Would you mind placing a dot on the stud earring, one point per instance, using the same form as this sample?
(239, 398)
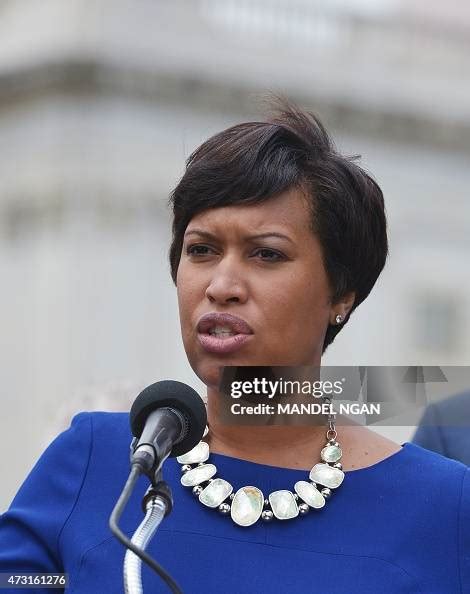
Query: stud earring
(339, 319)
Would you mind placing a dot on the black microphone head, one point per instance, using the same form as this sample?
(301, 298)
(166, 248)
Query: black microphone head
(171, 394)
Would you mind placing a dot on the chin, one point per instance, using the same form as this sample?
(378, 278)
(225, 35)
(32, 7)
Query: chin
(209, 377)
(206, 371)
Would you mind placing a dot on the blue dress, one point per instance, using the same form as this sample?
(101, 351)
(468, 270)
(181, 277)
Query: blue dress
(400, 526)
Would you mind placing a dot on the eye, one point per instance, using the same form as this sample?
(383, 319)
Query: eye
(270, 255)
(266, 254)
(191, 250)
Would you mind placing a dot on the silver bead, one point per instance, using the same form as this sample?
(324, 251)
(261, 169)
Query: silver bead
(209, 480)
(296, 497)
(224, 508)
(326, 492)
(267, 515)
(201, 463)
(266, 503)
(314, 484)
(338, 465)
(232, 495)
(303, 509)
(197, 490)
(186, 467)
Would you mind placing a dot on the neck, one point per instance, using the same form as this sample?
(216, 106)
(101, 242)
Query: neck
(277, 445)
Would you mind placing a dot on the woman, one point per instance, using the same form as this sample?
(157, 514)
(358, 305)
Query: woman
(277, 238)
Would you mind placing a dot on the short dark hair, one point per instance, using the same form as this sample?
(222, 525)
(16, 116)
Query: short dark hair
(254, 161)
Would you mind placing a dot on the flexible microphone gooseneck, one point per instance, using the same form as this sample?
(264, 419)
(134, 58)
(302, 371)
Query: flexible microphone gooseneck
(167, 418)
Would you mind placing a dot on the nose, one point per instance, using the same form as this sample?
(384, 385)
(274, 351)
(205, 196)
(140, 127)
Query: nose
(226, 286)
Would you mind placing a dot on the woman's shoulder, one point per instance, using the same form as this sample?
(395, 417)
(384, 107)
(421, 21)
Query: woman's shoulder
(100, 425)
(76, 448)
(101, 419)
(422, 461)
(372, 451)
(442, 480)
(418, 471)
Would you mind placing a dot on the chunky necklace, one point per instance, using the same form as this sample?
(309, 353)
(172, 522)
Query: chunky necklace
(248, 504)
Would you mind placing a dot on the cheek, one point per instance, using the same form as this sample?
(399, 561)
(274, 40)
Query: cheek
(296, 311)
(189, 294)
(185, 298)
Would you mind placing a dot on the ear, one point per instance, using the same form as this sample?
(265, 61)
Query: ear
(342, 308)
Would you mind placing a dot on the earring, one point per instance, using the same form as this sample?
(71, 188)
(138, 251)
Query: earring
(339, 319)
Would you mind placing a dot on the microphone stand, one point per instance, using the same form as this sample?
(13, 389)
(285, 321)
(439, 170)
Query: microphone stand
(156, 504)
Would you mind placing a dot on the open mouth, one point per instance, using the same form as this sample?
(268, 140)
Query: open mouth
(222, 341)
(223, 333)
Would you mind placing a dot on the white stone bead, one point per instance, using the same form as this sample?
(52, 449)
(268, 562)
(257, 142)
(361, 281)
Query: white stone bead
(310, 494)
(199, 453)
(326, 475)
(283, 505)
(247, 506)
(215, 493)
(331, 453)
(198, 475)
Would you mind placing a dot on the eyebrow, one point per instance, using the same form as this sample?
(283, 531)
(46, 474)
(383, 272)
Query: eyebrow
(257, 236)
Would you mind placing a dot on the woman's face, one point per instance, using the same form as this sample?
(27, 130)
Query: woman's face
(277, 285)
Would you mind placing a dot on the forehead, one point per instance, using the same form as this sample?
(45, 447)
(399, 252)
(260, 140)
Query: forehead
(288, 211)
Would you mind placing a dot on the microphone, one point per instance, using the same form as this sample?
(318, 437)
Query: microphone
(167, 418)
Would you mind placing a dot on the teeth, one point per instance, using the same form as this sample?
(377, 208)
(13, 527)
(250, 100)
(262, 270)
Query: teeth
(221, 331)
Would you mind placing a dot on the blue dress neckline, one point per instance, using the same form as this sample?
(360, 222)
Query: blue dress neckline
(266, 468)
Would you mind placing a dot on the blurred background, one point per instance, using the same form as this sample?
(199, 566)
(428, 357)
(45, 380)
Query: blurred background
(101, 102)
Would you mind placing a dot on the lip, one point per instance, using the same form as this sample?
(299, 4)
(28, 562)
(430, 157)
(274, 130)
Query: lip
(236, 324)
(214, 344)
